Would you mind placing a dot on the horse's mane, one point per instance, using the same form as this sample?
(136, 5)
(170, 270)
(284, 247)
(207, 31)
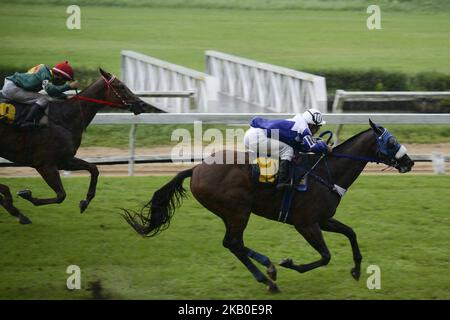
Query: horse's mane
(350, 140)
(89, 86)
(57, 102)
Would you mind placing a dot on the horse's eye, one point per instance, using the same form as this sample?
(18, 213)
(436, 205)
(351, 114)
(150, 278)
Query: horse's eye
(392, 142)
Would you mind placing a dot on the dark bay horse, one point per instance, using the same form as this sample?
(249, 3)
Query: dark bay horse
(53, 148)
(228, 191)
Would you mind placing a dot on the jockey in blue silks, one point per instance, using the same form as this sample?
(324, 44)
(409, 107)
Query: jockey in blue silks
(282, 137)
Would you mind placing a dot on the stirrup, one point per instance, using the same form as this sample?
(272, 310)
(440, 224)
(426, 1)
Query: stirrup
(28, 125)
(283, 185)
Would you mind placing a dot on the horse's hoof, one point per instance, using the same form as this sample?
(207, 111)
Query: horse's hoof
(272, 272)
(356, 273)
(24, 220)
(83, 205)
(273, 288)
(287, 263)
(25, 194)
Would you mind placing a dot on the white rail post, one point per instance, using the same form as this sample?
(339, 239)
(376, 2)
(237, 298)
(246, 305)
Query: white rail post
(438, 160)
(320, 89)
(337, 107)
(131, 149)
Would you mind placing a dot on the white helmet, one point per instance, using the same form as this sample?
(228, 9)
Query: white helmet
(313, 116)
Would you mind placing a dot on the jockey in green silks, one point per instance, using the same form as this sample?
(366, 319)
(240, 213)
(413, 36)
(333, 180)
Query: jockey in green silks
(25, 87)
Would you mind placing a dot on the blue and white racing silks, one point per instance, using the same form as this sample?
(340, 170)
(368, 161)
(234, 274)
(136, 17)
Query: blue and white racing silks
(294, 132)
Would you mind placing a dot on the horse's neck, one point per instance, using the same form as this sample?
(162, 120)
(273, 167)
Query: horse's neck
(75, 114)
(346, 171)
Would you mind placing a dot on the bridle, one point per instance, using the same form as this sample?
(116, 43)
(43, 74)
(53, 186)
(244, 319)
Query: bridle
(389, 152)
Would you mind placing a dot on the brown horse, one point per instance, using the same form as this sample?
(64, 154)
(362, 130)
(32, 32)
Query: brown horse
(53, 148)
(229, 192)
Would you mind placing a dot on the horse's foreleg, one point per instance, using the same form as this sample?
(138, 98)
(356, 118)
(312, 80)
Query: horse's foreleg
(76, 164)
(6, 201)
(265, 261)
(332, 225)
(313, 235)
(52, 178)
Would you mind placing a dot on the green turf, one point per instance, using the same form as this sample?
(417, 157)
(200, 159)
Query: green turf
(302, 39)
(402, 224)
(397, 5)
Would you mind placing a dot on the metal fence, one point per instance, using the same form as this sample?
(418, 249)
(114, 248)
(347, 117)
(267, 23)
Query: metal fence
(144, 73)
(277, 88)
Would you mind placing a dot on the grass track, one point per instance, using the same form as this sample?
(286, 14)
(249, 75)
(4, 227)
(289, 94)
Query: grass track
(402, 226)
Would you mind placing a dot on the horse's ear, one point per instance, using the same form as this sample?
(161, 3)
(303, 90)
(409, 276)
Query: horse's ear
(375, 128)
(104, 73)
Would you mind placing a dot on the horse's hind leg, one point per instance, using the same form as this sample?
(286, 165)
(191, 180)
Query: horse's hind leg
(76, 164)
(6, 201)
(52, 178)
(233, 241)
(313, 235)
(332, 225)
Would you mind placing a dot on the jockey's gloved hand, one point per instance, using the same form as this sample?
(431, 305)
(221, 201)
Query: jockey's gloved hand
(74, 85)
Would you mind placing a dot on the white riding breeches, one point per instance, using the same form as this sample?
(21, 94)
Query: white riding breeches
(13, 92)
(255, 140)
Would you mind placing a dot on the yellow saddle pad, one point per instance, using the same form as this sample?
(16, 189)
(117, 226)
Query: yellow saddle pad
(7, 112)
(268, 169)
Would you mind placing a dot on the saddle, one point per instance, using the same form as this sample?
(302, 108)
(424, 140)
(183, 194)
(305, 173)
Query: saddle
(14, 113)
(265, 171)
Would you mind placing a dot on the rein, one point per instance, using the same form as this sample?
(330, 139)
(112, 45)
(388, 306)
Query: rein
(333, 187)
(328, 182)
(79, 98)
(104, 102)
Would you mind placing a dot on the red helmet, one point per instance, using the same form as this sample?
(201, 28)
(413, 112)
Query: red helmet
(64, 69)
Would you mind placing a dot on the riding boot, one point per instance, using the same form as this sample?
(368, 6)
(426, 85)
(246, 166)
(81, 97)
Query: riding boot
(34, 115)
(284, 178)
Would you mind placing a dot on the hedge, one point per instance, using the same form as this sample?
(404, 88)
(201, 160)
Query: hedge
(365, 80)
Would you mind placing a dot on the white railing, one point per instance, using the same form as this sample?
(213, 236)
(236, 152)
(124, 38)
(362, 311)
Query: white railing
(144, 73)
(244, 118)
(341, 96)
(170, 158)
(280, 89)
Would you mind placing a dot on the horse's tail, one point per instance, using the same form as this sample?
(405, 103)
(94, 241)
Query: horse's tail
(160, 208)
